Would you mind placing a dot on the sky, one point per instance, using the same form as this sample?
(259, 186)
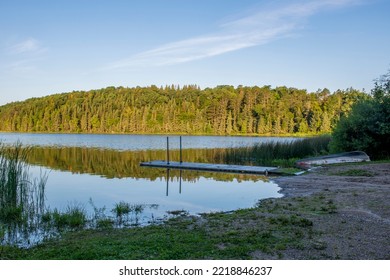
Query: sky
(49, 47)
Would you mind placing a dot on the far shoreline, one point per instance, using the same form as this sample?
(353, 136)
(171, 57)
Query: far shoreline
(297, 135)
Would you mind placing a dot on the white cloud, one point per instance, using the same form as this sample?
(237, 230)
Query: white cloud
(260, 27)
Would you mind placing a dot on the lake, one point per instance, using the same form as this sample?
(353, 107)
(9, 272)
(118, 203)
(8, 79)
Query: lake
(105, 169)
(133, 142)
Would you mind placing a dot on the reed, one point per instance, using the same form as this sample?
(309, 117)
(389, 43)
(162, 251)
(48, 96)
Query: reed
(122, 211)
(75, 217)
(21, 197)
(122, 208)
(277, 153)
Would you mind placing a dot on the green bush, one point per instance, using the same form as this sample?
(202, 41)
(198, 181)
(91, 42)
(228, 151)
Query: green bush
(367, 127)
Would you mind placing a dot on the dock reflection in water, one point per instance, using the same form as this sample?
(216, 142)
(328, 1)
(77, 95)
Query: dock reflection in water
(74, 169)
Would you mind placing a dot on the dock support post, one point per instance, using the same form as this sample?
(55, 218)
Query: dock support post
(167, 150)
(180, 182)
(181, 156)
(167, 189)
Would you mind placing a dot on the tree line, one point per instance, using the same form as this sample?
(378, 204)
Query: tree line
(222, 110)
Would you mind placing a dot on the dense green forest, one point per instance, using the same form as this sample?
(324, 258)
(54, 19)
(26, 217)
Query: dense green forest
(223, 110)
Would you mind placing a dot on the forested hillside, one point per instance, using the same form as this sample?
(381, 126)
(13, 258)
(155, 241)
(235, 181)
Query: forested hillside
(220, 110)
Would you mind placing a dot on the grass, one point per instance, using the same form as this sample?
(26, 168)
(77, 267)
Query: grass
(74, 217)
(278, 153)
(122, 209)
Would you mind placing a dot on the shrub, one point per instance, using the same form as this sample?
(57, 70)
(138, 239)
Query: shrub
(367, 127)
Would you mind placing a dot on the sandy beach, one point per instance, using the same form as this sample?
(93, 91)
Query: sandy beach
(358, 227)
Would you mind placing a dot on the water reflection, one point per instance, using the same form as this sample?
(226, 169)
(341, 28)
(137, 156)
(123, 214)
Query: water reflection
(168, 179)
(111, 178)
(168, 170)
(190, 190)
(125, 164)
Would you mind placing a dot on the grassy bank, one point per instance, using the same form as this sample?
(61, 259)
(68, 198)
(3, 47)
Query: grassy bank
(270, 228)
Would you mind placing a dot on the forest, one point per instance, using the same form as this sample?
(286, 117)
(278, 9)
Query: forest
(222, 110)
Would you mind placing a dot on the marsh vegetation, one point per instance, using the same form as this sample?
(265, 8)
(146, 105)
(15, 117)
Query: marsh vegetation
(277, 153)
(21, 196)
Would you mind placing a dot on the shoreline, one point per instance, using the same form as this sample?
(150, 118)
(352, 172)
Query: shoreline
(285, 135)
(358, 225)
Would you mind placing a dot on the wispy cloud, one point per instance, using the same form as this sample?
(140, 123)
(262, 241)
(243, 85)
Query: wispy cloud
(260, 27)
(28, 46)
(23, 57)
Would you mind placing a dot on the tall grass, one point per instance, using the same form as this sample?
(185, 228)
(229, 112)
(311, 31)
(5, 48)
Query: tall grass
(278, 153)
(21, 197)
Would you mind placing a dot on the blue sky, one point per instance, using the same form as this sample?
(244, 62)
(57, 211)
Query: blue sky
(49, 47)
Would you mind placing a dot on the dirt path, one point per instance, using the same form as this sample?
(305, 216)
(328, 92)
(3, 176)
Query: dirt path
(359, 228)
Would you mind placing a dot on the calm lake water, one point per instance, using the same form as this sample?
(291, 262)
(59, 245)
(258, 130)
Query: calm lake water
(105, 169)
(133, 142)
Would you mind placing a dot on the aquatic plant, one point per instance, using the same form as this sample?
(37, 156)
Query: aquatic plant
(21, 197)
(278, 153)
(123, 209)
(74, 217)
(105, 223)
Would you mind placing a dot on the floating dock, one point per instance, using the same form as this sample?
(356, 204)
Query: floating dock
(212, 167)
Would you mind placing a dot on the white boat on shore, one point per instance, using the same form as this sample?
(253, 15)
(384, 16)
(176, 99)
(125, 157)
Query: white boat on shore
(355, 156)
